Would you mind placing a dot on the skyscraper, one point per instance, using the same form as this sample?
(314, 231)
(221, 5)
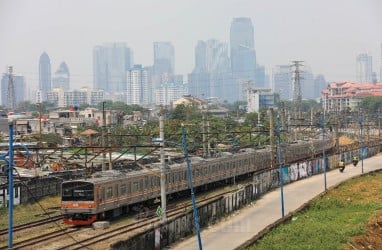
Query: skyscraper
(282, 81)
(163, 58)
(61, 77)
(110, 63)
(211, 75)
(364, 68)
(243, 55)
(45, 83)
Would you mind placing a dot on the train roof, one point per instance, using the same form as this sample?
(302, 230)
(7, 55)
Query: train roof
(154, 168)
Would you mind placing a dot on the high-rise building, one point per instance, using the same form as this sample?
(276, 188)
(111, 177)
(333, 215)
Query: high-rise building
(243, 55)
(19, 88)
(167, 93)
(61, 78)
(307, 84)
(163, 58)
(138, 86)
(45, 83)
(110, 63)
(85, 95)
(282, 81)
(211, 75)
(261, 78)
(319, 84)
(364, 68)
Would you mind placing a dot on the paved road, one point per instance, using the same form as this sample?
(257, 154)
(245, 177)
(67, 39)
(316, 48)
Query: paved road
(249, 221)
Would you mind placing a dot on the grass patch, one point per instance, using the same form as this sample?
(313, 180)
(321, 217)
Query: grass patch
(30, 212)
(331, 220)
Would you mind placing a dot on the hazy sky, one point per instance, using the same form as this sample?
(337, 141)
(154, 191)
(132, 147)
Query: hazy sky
(326, 34)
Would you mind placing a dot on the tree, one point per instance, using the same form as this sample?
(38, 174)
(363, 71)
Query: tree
(52, 139)
(371, 104)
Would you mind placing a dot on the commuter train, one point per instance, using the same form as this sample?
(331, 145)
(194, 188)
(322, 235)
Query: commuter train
(111, 193)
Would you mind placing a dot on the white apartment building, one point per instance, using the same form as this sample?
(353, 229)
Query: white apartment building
(138, 86)
(167, 93)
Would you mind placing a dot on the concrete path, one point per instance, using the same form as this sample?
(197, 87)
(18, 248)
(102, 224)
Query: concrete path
(249, 221)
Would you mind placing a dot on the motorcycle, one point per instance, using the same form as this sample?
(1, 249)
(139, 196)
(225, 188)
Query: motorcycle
(341, 166)
(355, 162)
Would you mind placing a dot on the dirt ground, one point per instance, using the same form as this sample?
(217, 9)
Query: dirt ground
(372, 239)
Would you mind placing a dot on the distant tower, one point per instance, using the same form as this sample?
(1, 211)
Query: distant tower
(11, 102)
(110, 63)
(45, 83)
(282, 81)
(163, 58)
(297, 96)
(61, 77)
(243, 55)
(364, 70)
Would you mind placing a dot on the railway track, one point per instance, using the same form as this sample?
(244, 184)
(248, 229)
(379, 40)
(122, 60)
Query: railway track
(26, 244)
(148, 221)
(29, 225)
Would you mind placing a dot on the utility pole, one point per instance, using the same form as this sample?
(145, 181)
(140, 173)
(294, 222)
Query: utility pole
(162, 166)
(360, 120)
(297, 96)
(39, 123)
(103, 137)
(109, 145)
(322, 123)
(280, 156)
(271, 135)
(204, 137)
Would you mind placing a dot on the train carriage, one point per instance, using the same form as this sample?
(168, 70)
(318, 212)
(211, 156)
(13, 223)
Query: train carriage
(111, 193)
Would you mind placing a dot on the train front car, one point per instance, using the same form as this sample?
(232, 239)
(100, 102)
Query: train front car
(78, 205)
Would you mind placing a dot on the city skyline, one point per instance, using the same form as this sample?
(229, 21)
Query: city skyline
(328, 40)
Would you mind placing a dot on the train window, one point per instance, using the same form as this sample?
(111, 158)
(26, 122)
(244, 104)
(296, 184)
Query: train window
(77, 191)
(102, 194)
(128, 187)
(135, 187)
(141, 185)
(109, 192)
(157, 181)
(123, 189)
(116, 190)
(146, 182)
